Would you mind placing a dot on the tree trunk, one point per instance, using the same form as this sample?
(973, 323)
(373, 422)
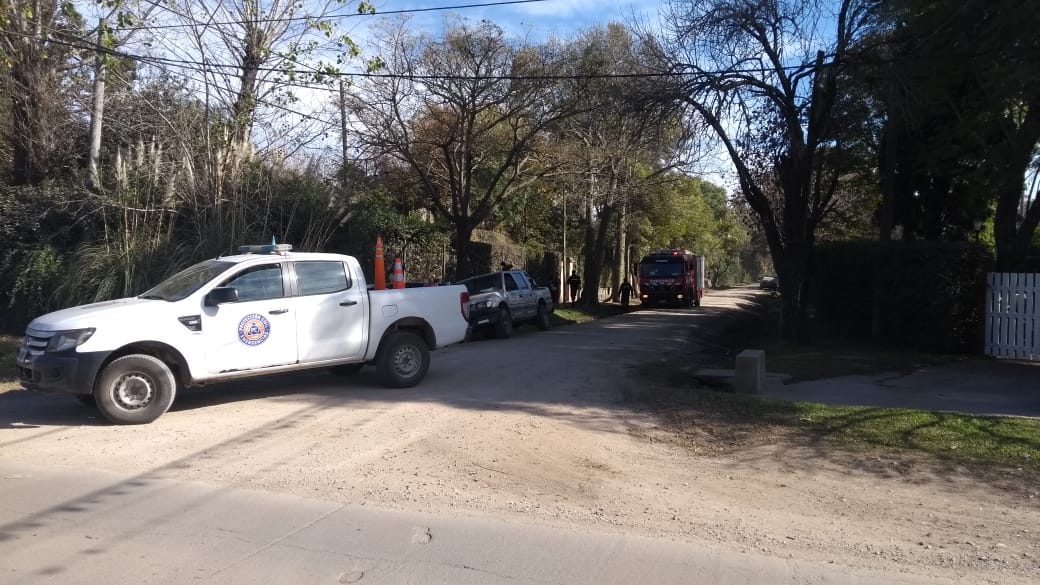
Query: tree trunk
(97, 112)
(595, 257)
(621, 255)
(463, 251)
(31, 136)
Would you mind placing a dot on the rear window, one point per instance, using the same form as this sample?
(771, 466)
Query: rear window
(321, 277)
(486, 283)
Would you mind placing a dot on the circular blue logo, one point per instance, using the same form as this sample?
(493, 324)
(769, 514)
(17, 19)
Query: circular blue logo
(253, 329)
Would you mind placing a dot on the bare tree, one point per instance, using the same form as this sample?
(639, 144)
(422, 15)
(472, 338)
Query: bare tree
(764, 76)
(34, 56)
(463, 113)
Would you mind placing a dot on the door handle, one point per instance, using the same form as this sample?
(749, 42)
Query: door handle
(278, 311)
(348, 303)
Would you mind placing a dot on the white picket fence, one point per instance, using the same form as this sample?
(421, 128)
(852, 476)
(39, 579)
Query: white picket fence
(1013, 315)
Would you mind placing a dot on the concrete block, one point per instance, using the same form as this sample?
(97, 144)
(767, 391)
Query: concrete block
(751, 371)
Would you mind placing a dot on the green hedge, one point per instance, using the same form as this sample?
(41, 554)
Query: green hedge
(928, 295)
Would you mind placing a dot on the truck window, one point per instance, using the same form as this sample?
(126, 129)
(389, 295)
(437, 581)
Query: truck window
(187, 281)
(656, 269)
(523, 281)
(510, 282)
(321, 277)
(257, 283)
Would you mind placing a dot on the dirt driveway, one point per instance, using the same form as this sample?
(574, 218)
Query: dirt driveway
(534, 429)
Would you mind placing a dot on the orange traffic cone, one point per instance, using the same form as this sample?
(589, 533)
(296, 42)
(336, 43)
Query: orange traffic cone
(398, 276)
(380, 282)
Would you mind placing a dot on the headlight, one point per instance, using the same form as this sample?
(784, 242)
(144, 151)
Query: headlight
(65, 340)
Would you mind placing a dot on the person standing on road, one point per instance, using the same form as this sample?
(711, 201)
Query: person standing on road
(574, 282)
(626, 292)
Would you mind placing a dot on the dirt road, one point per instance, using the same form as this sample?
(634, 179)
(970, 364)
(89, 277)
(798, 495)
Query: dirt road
(534, 429)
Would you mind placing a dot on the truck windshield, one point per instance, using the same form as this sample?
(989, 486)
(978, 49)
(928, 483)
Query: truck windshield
(486, 283)
(187, 281)
(662, 270)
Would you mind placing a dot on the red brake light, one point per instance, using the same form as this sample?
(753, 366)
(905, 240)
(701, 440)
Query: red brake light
(464, 305)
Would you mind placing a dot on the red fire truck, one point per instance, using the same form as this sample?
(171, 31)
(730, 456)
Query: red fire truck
(671, 276)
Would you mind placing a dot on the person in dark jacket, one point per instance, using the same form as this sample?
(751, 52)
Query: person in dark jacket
(626, 292)
(574, 282)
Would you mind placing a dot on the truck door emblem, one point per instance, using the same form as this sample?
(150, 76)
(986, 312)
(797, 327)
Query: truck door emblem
(253, 329)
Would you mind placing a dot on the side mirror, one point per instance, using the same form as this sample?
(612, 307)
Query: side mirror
(221, 295)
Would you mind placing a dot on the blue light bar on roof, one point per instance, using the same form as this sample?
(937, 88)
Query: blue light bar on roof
(266, 249)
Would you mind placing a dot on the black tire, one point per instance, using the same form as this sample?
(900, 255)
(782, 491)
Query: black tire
(504, 325)
(403, 360)
(346, 369)
(135, 389)
(541, 320)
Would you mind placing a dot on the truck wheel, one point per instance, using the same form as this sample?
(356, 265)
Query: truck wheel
(504, 325)
(542, 319)
(135, 389)
(403, 360)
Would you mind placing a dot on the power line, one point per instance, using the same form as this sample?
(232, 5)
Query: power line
(208, 66)
(331, 16)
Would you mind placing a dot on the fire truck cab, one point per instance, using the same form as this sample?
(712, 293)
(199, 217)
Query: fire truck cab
(671, 277)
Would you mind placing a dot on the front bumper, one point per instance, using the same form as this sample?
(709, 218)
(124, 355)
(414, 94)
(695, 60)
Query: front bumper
(483, 317)
(664, 297)
(69, 371)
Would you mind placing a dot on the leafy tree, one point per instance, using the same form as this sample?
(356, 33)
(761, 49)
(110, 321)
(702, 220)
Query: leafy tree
(765, 77)
(613, 145)
(464, 113)
(961, 101)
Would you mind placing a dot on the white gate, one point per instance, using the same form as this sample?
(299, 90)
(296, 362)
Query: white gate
(1013, 315)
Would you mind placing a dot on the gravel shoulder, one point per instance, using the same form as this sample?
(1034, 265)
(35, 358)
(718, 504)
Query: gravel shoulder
(556, 444)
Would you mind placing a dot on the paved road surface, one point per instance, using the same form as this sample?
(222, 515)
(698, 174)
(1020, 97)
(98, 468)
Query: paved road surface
(69, 527)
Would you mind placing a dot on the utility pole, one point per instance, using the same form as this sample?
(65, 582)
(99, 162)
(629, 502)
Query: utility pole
(343, 121)
(563, 268)
(97, 109)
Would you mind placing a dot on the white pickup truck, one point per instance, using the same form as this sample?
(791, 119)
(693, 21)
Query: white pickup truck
(268, 310)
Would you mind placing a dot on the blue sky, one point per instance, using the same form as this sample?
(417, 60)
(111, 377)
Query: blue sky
(542, 18)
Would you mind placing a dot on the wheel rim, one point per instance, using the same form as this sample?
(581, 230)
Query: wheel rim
(507, 322)
(407, 361)
(133, 391)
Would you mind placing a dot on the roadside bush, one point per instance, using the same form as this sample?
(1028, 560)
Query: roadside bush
(922, 295)
(33, 291)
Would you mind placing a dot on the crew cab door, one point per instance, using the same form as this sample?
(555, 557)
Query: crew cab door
(259, 330)
(518, 291)
(332, 316)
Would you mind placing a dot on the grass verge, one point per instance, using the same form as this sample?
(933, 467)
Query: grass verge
(718, 421)
(714, 421)
(566, 314)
